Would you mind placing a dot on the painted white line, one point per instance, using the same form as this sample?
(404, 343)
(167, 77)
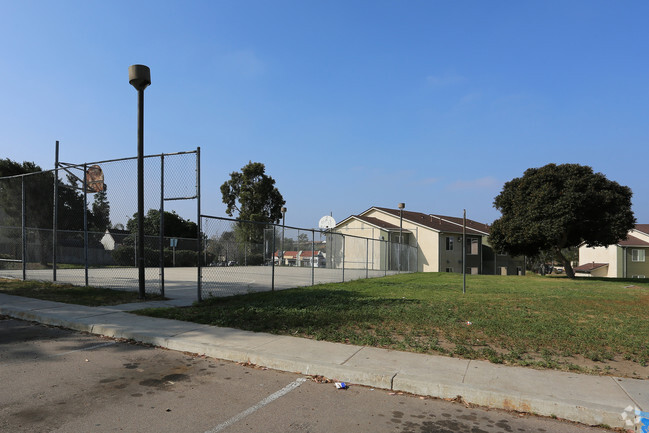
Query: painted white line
(288, 388)
(82, 350)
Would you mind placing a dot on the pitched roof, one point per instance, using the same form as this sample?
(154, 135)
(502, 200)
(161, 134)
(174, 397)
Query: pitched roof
(377, 222)
(588, 267)
(644, 228)
(632, 241)
(440, 223)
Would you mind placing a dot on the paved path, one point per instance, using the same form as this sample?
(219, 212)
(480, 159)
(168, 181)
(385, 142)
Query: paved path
(587, 399)
(217, 281)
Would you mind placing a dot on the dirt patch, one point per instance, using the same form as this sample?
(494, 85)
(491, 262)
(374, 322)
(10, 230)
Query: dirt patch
(618, 366)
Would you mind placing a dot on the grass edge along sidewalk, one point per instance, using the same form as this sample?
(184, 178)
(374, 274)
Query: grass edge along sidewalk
(70, 294)
(586, 325)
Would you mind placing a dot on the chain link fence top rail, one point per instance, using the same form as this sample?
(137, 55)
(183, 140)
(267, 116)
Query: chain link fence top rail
(90, 238)
(251, 257)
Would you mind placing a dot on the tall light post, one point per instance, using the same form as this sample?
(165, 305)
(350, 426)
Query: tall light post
(139, 76)
(283, 225)
(401, 207)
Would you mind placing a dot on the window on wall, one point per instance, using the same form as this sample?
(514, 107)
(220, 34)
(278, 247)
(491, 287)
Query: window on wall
(637, 255)
(472, 270)
(449, 269)
(637, 276)
(472, 246)
(449, 243)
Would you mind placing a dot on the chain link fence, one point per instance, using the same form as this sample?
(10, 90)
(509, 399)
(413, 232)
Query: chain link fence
(251, 257)
(56, 225)
(61, 225)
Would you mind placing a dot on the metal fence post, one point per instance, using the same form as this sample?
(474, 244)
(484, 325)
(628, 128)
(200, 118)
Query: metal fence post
(55, 211)
(417, 248)
(162, 224)
(367, 258)
(343, 258)
(199, 286)
(24, 228)
(464, 253)
(313, 257)
(387, 256)
(272, 257)
(85, 223)
(408, 251)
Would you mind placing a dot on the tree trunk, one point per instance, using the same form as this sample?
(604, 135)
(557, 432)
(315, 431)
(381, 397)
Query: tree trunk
(566, 264)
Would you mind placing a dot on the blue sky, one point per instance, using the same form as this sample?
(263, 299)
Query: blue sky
(349, 104)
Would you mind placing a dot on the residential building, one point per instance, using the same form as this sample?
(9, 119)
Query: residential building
(305, 258)
(628, 258)
(422, 242)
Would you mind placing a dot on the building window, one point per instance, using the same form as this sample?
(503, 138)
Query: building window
(637, 255)
(472, 271)
(503, 270)
(472, 246)
(449, 269)
(637, 276)
(449, 243)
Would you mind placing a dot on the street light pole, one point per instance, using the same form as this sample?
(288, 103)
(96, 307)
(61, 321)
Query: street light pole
(401, 207)
(139, 76)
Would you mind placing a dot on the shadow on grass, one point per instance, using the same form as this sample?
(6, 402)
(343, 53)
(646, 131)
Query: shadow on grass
(299, 310)
(615, 280)
(71, 294)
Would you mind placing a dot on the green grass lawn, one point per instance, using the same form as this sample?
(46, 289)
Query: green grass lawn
(531, 320)
(69, 294)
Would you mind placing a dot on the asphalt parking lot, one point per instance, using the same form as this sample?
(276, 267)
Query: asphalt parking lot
(56, 380)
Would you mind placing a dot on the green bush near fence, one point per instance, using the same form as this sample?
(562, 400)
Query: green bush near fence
(124, 255)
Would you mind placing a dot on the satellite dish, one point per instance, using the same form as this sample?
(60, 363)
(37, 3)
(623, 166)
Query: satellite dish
(327, 222)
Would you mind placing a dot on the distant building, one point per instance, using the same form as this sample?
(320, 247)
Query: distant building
(300, 258)
(113, 238)
(431, 243)
(625, 259)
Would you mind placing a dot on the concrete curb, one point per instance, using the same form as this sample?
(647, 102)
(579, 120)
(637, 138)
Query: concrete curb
(591, 400)
(592, 414)
(578, 411)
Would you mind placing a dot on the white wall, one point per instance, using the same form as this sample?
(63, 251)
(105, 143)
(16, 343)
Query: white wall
(607, 254)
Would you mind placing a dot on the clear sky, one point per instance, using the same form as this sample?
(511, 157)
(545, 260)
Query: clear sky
(349, 104)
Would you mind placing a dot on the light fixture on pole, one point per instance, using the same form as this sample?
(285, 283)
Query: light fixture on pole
(401, 207)
(139, 76)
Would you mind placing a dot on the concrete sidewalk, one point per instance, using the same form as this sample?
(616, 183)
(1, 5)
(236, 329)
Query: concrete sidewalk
(587, 399)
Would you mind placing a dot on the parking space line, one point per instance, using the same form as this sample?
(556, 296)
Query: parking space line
(97, 346)
(288, 388)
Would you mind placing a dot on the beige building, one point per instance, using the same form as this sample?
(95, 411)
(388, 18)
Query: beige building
(430, 243)
(625, 259)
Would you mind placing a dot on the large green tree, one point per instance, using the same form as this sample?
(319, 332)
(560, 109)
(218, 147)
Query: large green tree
(174, 225)
(39, 203)
(253, 195)
(560, 206)
(100, 212)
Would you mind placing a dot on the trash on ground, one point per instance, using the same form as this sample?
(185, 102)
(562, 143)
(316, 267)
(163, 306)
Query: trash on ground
(468, 323)
(341, 385)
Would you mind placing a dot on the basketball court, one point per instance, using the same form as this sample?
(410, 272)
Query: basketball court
(181, 283)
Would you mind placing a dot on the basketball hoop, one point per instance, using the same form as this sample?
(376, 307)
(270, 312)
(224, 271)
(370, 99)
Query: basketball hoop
(94, 179)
